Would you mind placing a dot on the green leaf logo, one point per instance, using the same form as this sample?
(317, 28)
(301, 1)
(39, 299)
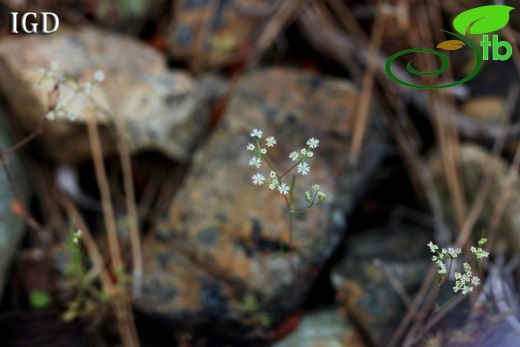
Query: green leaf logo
(483, 19)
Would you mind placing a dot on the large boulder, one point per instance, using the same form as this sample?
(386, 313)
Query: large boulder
(161, 109)
(222, 238)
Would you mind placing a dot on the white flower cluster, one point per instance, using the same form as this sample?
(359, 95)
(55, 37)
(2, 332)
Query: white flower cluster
(88, 87)
(316, 188)
(51, 73)
(59, 112)
(57, 77)
(464, 282)
(479, 252)
(76, 237)
(274, 181)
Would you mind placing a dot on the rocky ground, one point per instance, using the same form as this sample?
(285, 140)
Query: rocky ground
(131, 123)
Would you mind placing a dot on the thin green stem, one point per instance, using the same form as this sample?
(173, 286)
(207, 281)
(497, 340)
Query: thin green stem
(292, 167)
(290, 224)
(291, 193)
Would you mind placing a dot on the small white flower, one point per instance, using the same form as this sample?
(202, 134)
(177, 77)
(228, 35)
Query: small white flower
(294, 156)
(475, 281)
(50, 115)
(309, 154)
(273, 184)
(272, 174)
(87, 88)
(467, 290)
(255, 161)
(99, 76)
(312, 142)
(77, 236)
(315, 187)
(283, 189)
(54, 65)
(303, 168)
(304, 151)
(433, 247)
(270, 141)
(482, 254)
(263, 151)
(479, 252)
(321, 196)
(257, 133)
(72, 115)
(258, 179)
(250, 147)
(453, 252)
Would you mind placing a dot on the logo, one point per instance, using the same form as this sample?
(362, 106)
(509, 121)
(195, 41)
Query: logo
(44, 25)
(477, 21)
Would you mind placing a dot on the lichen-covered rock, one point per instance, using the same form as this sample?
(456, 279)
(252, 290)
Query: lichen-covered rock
(12, 227)
(161, 109)
(323, 328)
(222, 236)
(363, 289)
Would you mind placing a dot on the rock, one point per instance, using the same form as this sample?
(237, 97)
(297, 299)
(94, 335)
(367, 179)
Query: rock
(474, 162)
(323, 328)
(219, 241)
(129, 16)
(162, 110)
(364, 290)
(12, 227)
(214, 36)
(486, 108)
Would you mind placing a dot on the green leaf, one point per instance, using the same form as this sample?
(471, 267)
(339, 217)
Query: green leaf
(39, 299)
(451, 45)
(483, 19)
(264, 319)
(250, 304)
